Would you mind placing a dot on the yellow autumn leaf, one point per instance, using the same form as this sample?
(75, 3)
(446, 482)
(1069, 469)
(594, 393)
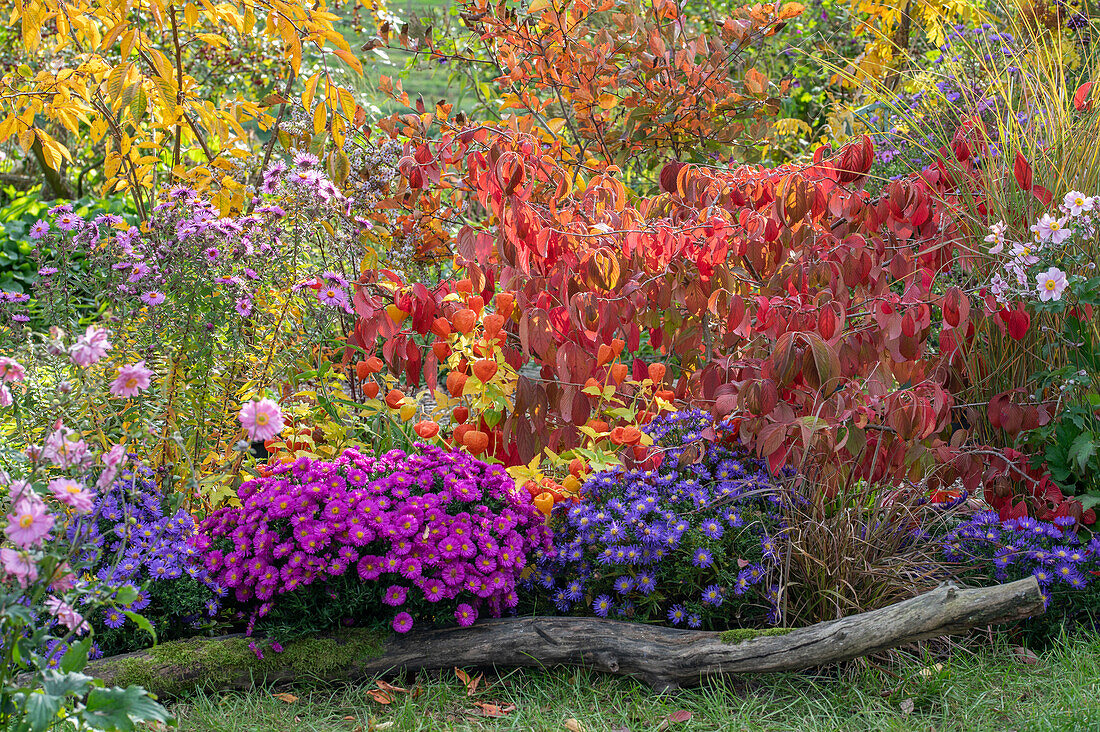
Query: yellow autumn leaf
(608, 101)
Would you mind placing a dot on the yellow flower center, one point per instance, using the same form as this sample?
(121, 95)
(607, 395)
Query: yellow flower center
(131, 383)
(261, 419)
(1079, 201)
(330, 293)
(1050, 285)
(73, 489)
(1054, 226)
(25, 521)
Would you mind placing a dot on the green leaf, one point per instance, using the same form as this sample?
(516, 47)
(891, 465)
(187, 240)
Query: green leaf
(42, 710)
(1082, 450)
(61, 685)
(143, 623)
(76, 658)
(118, 709)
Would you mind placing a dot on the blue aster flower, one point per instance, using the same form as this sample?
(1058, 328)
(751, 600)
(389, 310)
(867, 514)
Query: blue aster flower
(601, 606)
(712, 595)
(676, 614)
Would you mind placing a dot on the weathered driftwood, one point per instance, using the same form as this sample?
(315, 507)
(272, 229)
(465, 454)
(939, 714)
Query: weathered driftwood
(663, 657)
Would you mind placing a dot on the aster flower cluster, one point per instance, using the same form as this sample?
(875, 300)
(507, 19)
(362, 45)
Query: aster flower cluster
(692, 542)
(131, 536)
(1052, 552)
(428, 537)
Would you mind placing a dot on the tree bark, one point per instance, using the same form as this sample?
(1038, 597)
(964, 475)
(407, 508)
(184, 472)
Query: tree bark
(665, 658)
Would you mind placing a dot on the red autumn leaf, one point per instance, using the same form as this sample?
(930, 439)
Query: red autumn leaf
(1081, 101)
(1022, 170)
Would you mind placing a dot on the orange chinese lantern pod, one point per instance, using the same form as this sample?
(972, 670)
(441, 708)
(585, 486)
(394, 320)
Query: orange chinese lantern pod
(459, 434)
(571, 486)
(464, 286)
(441, 327)
(485, 369)
(460, 415)
(605, 354)
(631, 435)
(597, 425)
(577, 468)
(640, 451)
(476, 442)
(617, 435)
(506, 303)
(375, 364)
(394, 397)
(493, 323)
(441, 350)
(617, 345)
(426, 430)
(619, 372)
(667, 394)
(456, 382)
(463, 366)
(656, 372)
(370, 389)
(464, 321)
(476, 303)
(591, 382)
(645, 417)
(544, 502)
(362, 370)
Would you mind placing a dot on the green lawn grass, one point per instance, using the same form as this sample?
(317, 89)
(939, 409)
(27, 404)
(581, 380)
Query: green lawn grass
(976, 689)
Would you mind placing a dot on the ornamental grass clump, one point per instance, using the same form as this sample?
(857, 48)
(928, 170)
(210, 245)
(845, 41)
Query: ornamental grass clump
(429, 538)
(693, 542)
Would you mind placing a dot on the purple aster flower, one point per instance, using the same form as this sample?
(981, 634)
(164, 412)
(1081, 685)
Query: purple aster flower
(676, 614)
(39, 230)
(152, 298)
(712, 595)
(702, 558)
(601, 606)
(402, 622)
(465, 615)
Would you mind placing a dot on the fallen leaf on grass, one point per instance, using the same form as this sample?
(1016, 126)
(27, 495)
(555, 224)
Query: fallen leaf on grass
(929, 671)
(284, 697)
(494, 710)
(1025, 655)
(680, 715)
(391, 688)
(573, 725)
(471, 683)
(380, 696)
(907, 706)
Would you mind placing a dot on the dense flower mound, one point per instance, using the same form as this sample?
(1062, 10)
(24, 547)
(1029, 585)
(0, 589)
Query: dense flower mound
(1053, 553)
(430, 537)
(134, 537)
(692, 541)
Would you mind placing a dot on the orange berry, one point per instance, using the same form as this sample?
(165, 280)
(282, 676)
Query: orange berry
(370, 389)
(441, 350)
(597, 425)
(441, 327)
(426, 429)
(394, 397)
(456, 382)
(493, 323)
(464, 320)
(459, 433)
(485, 369)
(656, 372)
(476, 442)
(505, 302)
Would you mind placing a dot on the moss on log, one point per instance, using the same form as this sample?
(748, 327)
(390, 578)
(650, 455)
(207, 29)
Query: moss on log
(662, 657)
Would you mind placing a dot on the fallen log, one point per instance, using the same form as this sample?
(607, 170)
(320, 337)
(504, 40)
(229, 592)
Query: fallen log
(665, 658)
